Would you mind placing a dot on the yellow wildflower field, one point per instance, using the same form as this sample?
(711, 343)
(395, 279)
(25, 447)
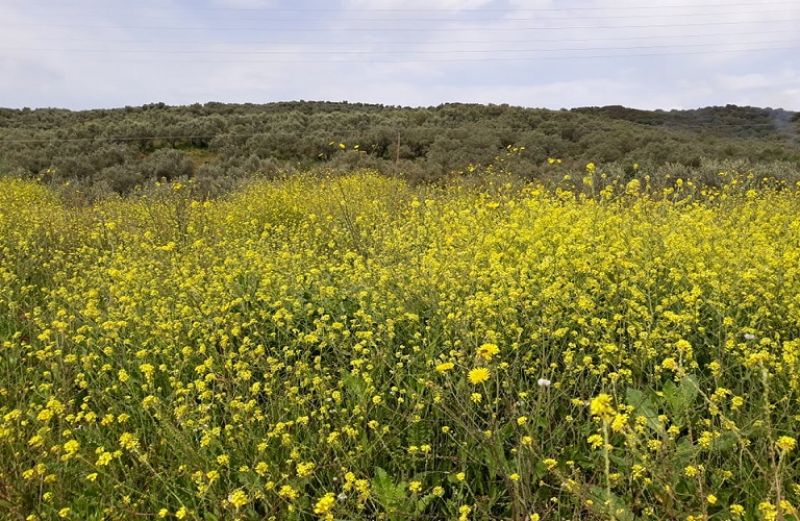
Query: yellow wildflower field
(358, 348)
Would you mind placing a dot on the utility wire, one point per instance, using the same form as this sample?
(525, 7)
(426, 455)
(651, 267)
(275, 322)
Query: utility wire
(476, 9)
(368, 52)
(368, 61)
(443, 42)
(414, 29)
(548, 18)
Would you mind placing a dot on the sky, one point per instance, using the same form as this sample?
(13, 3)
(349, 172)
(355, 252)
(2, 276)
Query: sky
(649, 54)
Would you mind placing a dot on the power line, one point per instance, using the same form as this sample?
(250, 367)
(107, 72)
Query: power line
(481, 9)
(446, 42)
(581, 18)
(368, 52)
(415, 29)
(484, 59)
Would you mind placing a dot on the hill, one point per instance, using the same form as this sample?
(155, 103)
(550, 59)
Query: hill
(115, 150)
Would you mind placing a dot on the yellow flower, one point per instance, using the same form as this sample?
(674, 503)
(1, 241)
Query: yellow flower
(444, 367)
(128, 441)
(595, 440)
(104, 458)
(601, 406)
(72, 446)
(786, 443)
(147, 370)
(767, 510)
(238, 498)
(288, 492)
(619, 423)
(690, 471)
(325, 503)
(550, 463)
(633, 186)
(712, 499)
(305, 469)
(478, 375)
(415, 486)
(487, 351)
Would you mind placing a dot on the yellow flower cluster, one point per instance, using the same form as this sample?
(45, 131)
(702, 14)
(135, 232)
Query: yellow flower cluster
(358, 348)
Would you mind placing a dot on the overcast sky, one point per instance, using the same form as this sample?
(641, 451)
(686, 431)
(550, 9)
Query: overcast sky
(541, 53)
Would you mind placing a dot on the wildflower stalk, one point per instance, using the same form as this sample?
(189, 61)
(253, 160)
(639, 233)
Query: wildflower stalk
(607, 470)
(776, 463)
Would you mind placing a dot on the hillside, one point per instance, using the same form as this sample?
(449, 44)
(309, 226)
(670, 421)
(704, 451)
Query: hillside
(115, 150)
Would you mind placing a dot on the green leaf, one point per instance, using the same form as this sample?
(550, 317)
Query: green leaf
(643, 406)
(381, 482)
(685, 452)
(681, 397)
(422, 503)
(390, 496)
(726, 441)
(605, 504)
(688, 389)
(355, 386)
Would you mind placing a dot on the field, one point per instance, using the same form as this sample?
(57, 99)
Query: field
(358, 348)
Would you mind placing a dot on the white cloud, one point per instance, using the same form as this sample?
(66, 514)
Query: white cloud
(752, 81)
(455, 5)
(410, 59)
(244, 4)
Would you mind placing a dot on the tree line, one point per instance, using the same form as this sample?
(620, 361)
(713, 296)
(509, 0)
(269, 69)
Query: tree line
(216, 144)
